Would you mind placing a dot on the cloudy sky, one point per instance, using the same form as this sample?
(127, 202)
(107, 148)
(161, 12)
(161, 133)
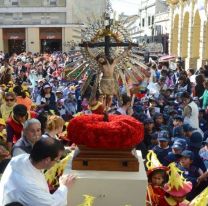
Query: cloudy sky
(129, 7)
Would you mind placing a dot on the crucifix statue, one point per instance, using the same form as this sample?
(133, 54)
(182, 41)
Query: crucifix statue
(106, 63)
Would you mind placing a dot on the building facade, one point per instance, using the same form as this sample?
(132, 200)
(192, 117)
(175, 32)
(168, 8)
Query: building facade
(154, 22)
(43, 25)
(189, 31)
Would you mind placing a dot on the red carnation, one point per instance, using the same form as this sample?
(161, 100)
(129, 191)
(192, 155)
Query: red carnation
(119, 132)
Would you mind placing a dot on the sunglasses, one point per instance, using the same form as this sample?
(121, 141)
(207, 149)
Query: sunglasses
(9, 100)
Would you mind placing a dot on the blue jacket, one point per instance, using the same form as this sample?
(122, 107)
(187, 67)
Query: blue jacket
(161, 153)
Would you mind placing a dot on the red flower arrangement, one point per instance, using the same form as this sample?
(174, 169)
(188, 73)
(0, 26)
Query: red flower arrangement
(119, 132)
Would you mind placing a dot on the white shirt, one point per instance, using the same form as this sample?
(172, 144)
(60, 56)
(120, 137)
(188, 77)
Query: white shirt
(193, 119)
(122, 111)
(22, 182)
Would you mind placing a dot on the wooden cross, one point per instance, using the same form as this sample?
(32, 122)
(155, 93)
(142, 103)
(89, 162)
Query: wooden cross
(107, 43)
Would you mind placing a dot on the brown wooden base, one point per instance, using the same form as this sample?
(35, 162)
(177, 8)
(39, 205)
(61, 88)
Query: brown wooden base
(105, 160)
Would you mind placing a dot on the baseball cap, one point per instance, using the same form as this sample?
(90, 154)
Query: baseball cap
(187, 153)
(46, 86)
(59, 91)
(154, 136)
(157, 115)
(181, 141)
(178, 117)
(163, 136)
(177, 145)
(148, 121)
(177, 131)
(188, 128)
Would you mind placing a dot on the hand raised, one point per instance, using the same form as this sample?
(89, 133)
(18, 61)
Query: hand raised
(67, 180)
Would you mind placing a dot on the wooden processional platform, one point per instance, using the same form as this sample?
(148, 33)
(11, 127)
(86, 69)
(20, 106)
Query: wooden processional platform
(105, 160)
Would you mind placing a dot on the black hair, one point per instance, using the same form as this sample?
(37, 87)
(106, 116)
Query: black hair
(42, 93)
(43, 117)
(125, 99)
(186, 95)
(46, 147)
(200, 79)
(20, 110)
(158, 171)
(14, 204)
(192, 71)
(19, 91)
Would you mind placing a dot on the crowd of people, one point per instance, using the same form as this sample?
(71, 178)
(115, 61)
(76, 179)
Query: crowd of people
(37, 101)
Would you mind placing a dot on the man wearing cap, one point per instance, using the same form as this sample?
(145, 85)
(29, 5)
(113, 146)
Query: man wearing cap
(59, 93)
(194, 137)
(194, 140)
(190, 171)
(203, 124)
(162, 149)
(174, 155)
(203, 153)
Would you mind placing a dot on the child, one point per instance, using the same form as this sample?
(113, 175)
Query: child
(174, 156)
(203, 153)
(202, 120)
(177, 121)
(61, 109)
(156, 178)
(190, 172)
(159, 121)
(162, 149)
(176, 189)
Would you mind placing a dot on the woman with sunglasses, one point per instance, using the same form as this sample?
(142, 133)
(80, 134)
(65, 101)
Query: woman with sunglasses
(7, 107)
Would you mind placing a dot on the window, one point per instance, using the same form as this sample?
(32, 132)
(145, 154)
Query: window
(149, 20)
(53, 2)
(143, 22)
(153, 19)
(15, 2)
(17, 16)
(48, 19)
(42, 21)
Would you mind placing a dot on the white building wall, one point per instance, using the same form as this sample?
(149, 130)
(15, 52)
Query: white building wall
(153, 14)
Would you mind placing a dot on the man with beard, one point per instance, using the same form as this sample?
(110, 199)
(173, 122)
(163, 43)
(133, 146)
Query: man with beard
(107, 82)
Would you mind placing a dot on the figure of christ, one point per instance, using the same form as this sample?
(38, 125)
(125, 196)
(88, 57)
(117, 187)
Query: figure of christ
(107, 82)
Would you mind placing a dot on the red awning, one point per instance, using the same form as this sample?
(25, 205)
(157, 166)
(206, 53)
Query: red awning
(15, 34)
(167, 58)
(50, 33)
